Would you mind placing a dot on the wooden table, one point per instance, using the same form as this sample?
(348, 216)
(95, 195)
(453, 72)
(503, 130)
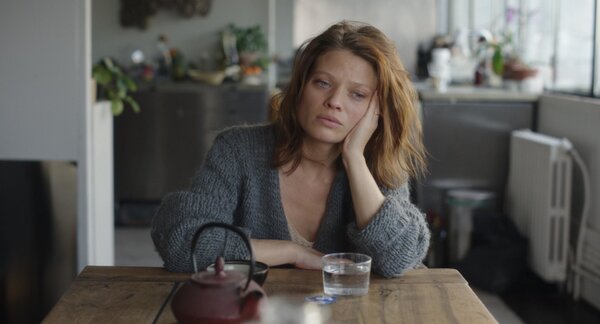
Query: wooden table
(142, 295)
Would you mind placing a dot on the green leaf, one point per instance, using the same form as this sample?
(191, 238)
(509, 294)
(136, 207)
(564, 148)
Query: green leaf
(115, 85)
(498, 61)
(101, 75)
(112, 94)
(110, 66)
(121, 88)
(134, 105)
(131, 86)
(107, 61)
(250, 39)
(116, 107)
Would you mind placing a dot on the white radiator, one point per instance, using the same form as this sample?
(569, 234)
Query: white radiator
(538, 199)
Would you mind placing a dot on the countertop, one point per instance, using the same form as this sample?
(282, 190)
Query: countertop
(192, 86)
(473, 93)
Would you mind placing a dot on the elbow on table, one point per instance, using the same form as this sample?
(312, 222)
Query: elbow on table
(398, 269)
(175, 264)
(172, 260)
(408, 257)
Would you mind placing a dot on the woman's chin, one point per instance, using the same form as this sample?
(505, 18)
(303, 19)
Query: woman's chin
(330, 139)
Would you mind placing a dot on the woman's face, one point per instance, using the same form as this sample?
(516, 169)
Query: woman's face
(336, 96)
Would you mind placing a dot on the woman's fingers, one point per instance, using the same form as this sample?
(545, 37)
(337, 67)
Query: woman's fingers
(308, 258)
(359, 136)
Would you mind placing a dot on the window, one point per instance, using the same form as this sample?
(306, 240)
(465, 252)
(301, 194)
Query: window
(574, 46)
(554, 36)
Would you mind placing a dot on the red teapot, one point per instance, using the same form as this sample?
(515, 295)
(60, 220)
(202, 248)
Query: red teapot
(220, 296)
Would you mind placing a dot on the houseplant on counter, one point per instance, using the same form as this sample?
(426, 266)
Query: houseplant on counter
(114, 85)
(251, 45)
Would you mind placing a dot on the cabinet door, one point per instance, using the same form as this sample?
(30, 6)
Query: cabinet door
(158, 150)
(231, 105)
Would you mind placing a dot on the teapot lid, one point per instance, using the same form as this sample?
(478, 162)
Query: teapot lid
(219, 277)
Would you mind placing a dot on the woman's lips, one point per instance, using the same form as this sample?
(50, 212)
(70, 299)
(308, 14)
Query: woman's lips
(329, 120)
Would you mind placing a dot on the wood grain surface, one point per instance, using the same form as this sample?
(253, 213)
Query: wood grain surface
(142, 295)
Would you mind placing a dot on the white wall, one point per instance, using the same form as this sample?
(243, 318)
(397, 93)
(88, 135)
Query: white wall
(193, 36)
(284, 28)
(405, 22)
(42, 79)
(45, 103)
(578, 119)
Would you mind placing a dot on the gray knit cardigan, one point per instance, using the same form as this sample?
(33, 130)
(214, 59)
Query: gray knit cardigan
(238, 185)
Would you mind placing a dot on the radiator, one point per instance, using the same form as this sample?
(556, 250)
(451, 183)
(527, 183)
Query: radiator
(538, 199)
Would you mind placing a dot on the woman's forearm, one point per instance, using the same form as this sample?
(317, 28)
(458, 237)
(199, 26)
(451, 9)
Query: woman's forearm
(278, 252)
(367, 199)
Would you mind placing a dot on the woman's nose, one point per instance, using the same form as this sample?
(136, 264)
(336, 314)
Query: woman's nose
(334, 101)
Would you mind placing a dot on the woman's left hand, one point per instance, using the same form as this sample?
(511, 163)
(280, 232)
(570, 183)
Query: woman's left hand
(357, 139)
(366, 196)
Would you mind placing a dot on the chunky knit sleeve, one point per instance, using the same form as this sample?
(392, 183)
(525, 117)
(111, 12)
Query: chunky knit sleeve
(212, 196)
(398, 236)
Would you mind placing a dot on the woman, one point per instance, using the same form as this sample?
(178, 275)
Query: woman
(330, 174)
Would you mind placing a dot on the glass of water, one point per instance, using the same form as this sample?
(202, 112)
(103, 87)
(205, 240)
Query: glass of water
(346, 274)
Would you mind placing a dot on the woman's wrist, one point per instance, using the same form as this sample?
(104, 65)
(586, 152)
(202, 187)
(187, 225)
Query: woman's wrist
(278, 252)
(295, 252)
(351, 159)
(273, 252)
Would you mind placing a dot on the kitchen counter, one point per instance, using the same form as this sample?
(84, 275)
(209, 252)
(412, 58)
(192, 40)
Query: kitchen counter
(473, 93)
(192, 86)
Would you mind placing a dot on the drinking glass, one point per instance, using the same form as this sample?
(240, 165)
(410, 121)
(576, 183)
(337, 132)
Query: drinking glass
(346, 274)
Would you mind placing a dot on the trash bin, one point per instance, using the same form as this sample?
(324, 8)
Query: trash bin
(461, 203)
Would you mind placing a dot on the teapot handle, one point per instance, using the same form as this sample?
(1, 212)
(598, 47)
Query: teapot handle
(228, 227)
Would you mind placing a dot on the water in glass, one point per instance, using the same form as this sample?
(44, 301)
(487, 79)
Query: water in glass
(346, 279)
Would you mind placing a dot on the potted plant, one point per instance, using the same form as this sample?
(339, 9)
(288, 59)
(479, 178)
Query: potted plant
(251, 45)
(114, 85)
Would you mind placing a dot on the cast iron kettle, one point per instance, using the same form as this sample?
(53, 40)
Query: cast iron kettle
(219, 296)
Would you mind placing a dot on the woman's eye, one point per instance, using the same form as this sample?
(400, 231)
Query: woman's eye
(321, 83)
(357, 95)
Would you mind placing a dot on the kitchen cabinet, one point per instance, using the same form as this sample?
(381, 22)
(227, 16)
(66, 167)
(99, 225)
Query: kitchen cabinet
(158, 150)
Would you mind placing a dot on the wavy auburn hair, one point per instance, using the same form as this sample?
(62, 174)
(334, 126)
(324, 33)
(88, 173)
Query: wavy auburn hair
(395, 150)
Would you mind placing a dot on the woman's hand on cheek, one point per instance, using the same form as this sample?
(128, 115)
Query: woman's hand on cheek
(356, 141)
